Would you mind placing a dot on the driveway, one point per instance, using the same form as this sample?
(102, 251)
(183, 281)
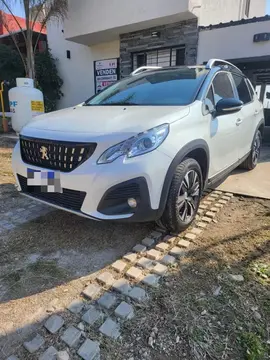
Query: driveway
(254, 183)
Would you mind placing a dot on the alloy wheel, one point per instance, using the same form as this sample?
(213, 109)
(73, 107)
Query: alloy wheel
(188, 196)
(256, 149)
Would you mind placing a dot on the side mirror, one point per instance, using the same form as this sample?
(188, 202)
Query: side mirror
(268, 95)
(228, 106)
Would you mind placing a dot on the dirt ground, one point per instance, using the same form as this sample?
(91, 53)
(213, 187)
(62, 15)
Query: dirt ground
(199, 311)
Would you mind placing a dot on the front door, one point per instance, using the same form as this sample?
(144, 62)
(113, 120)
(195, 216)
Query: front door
(223, 130)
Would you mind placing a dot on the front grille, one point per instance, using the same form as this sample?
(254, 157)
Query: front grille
(56, 155)
(68, 199)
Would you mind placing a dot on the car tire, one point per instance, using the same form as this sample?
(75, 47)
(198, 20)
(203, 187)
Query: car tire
(184, 197)
(251, 162)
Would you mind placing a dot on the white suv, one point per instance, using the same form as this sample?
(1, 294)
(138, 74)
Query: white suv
(146, 147)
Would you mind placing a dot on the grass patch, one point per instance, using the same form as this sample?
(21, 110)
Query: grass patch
(253, 346)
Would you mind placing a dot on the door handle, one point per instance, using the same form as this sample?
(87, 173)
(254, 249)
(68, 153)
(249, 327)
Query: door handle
(239, 122)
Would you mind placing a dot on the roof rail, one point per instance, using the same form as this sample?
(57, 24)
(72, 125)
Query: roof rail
(145, 68)
(212, 62)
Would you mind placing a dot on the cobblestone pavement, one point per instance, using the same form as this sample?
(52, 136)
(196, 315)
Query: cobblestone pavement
(112, 296)
(29, 210)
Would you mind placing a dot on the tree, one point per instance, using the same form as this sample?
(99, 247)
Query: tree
(48, 80)
(36, 11)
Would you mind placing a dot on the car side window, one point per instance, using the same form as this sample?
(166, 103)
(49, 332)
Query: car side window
(242, 88)
(222, 87)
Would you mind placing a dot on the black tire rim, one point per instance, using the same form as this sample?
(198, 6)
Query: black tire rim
(256, 149)
(188, 196)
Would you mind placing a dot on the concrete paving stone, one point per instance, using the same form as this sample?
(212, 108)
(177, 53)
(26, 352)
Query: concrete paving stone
(107, 300)
(162, 247)
(201, 225)
(13, 357)
(156, 235)
(200, 211)
(119, 266)
(138, 294)
(124, 311)
(76, 306)
(207, 202)
(222, 202)
(153, 254)
(196, 231)
(207, 219)
(122, 286)
(62, 355)
(151, 280)
(134, 273)
(54, 323)
(160, 269)
(106, 278)
(89, 350)
(131, 257)
(217, 192)
(220, 206)
(49, 354)
(139, 248)
(71, 336)
(92, 315)
(210, 199)
(215, 196)
(169, 239)
(92, 291)
(203, 207)
(230, 195)
(110, 328)
(210, 214)
(185, 243)
(149, 242)
(177, 252)
(214, 209)
(168, 260)
(34, 344)
(145, 263)
(226, 198)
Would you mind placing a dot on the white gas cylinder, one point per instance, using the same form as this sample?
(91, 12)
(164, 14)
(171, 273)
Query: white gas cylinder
(25, 102)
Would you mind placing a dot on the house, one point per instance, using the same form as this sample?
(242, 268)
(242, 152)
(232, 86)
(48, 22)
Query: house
(102, 41)
(10, 26)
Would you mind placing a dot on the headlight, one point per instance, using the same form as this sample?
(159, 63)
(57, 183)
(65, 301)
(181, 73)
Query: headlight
(137, 145)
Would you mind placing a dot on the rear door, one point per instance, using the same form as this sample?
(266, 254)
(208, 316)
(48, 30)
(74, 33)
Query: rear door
(247, 116)
(223, 129)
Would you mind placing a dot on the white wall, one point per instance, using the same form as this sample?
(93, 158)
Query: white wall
(217, 11)
(94, 21)
(77, 72)
(233, 42)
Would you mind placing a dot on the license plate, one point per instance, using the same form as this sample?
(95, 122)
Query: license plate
(48, 181)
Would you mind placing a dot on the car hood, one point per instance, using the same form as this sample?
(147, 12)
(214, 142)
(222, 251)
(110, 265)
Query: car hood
(104, 120)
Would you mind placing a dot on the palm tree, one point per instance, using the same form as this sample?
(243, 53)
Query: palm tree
(36, 11)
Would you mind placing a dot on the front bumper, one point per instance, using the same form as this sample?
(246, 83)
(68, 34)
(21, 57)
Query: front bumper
(104, 189)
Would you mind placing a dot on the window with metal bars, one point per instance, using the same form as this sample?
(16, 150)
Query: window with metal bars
(173, 56)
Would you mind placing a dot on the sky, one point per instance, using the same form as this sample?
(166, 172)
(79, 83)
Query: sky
(18, 11)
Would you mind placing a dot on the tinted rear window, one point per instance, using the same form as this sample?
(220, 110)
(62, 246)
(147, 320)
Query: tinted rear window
(163, 87)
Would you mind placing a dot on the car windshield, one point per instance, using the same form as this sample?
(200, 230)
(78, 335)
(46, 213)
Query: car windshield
(176, 86)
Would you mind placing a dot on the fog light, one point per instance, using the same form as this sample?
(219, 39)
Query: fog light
(132, 203)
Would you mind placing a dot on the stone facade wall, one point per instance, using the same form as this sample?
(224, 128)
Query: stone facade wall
(180, 33)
